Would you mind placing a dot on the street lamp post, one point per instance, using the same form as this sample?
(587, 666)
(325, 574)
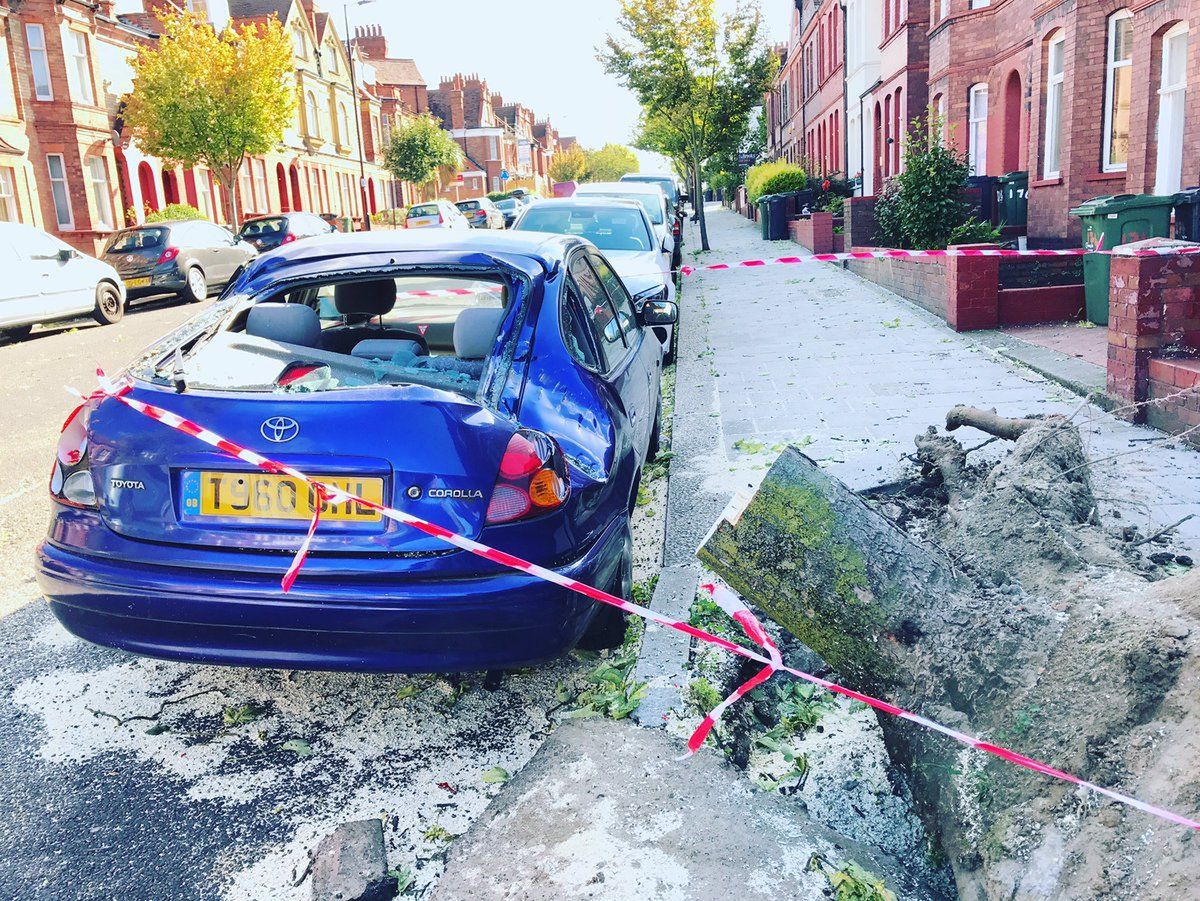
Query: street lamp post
(362, 163)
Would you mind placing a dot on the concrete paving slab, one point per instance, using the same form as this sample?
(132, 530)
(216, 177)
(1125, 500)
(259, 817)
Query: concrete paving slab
(605, 812)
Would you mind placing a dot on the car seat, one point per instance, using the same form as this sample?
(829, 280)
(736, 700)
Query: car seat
(288, 323)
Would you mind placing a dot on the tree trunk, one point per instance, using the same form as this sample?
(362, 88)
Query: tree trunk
(698, 202)
(1068, 669)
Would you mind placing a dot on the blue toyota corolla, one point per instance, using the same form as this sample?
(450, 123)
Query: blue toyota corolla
(502, 386)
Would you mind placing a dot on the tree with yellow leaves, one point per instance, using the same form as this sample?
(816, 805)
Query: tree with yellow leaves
(200, 97)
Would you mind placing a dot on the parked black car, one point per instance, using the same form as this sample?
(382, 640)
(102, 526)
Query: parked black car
(188, 258)
(268, 232)
(511, 208)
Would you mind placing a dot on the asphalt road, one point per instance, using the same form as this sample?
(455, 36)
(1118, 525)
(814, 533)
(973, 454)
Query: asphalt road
(127, 778)
(32, 411)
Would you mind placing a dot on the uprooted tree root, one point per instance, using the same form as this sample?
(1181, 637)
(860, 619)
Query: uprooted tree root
(1000, 605)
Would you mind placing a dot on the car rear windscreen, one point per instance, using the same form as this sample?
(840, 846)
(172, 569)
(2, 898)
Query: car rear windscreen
(136, 239)
(435, 330)
(651, 202)
(423, 209)
(608, 227)
(468, 206)
(272, 226)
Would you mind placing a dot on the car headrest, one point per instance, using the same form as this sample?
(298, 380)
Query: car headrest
(475, 332)
(289, 323)
(369, 298)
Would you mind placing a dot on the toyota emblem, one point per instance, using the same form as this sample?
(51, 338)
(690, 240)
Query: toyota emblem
(279, 429)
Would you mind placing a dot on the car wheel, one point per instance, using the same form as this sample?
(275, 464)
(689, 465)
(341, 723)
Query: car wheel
(607, 628)
(17, 332)
(196, 285)
(109, 308)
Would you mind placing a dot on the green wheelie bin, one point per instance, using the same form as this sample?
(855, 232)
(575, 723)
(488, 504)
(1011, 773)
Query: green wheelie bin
(1109, 222)
(1012, 196)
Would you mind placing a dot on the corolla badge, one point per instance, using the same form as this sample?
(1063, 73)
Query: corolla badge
(279, 429)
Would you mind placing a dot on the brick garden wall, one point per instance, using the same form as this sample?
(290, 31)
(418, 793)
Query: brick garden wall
(1154, 337)
(923, 282)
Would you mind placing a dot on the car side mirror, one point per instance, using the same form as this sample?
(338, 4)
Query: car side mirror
(66, 255)
(659, 312)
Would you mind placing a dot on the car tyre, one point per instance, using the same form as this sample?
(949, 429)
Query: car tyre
(109, 308)
(655, 436)
(607, 628)
(17, 333)
(195, 287)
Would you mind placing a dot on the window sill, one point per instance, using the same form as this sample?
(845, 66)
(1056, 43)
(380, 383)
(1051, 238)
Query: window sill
(1105, 176)
(1046, 182)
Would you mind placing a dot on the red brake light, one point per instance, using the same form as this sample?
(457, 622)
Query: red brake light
(167, 255)
(440, 219)
(71, 477)
(533, 478)
(288, 238)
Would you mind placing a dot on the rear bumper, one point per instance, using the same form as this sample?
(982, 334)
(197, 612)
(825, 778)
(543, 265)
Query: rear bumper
(500, 621)
(166, 281)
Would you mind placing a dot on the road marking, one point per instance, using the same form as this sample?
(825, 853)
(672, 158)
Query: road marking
(20, 492)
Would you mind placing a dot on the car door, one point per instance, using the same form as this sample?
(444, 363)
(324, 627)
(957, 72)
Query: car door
(646, 354)
(623, 372)
(63, 287)
(21, 294)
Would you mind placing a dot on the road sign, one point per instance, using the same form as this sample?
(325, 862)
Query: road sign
(747, 159)
(504, 175)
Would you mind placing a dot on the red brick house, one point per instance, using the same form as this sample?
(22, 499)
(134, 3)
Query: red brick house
(464, 104)
(822, 68)
(784, 104)
(1090, 99)
(902, 92)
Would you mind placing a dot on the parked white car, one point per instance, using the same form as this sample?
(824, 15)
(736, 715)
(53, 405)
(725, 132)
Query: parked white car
(49, 280)
(435, 214)
(649, 195)
(623, 233)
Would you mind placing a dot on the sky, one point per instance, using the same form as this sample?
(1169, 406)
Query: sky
(541, 53)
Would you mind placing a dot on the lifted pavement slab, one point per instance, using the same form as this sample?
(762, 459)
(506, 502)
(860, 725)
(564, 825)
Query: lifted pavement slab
(1076, 375)
(604, 811)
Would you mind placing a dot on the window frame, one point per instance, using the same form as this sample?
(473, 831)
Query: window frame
(79, 67)
(8, 195)
(1052, 118)
(32, 28)
(973, 144)
(1110, 78)
(625, 301)
(568, 296)
(312, 115)
(69, 225)
(106, 215)
(1165, 92)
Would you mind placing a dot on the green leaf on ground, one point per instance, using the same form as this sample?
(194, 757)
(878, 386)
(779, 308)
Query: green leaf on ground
(298, 746)
(497, 775)
(240, 716)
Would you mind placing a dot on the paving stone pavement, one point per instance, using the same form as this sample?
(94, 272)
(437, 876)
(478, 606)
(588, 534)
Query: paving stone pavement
(813, 355)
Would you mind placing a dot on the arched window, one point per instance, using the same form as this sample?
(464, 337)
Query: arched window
(889, 137)
(977, 105)
(1118, 88)
(1052, 129)
(1172, 90)
(343, 124)
(898, 129)
(312, 114)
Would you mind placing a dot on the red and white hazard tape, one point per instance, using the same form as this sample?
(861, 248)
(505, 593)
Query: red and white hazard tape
(894, 254)
(452, 292)
(728, 601)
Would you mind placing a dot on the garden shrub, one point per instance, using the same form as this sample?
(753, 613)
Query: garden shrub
(173, 212)
(923, 207)
(777, 177)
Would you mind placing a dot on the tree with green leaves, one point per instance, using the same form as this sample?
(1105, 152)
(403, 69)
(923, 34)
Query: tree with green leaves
(421, 151)
(205, 98)
(610, 162)
(696, 76)
(569, 164)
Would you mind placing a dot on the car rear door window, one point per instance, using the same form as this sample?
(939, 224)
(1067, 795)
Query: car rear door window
(622, 302)
(599, 311)
(575, 330)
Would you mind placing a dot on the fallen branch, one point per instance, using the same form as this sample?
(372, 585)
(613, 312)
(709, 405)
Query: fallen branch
(150, 718)
(1161, 532)
(988, 421)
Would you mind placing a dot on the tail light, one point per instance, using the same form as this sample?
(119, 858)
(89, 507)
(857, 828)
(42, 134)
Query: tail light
(533, 478)
(71, 478)
(167, 255)
(440, 219)
(288, 238)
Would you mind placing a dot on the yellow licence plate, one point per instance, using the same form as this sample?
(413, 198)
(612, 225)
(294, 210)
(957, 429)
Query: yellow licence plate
(137, 282)
(266, 496)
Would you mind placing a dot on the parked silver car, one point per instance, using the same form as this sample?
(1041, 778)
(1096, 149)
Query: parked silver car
(435, 214)
(49, 280)
(481, 213)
